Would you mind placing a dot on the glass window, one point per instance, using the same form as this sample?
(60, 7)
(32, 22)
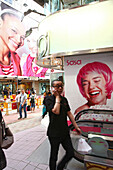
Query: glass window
(9, 1)
(51, 6)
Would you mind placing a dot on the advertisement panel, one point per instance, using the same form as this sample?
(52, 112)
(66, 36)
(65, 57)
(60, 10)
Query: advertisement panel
(86, 28)
(18, 53)
(89, 81)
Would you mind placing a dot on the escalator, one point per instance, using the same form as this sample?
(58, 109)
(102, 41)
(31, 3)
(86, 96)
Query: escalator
(97, 130)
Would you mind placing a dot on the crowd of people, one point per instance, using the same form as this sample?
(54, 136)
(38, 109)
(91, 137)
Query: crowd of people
(21, 99)
(29, 94)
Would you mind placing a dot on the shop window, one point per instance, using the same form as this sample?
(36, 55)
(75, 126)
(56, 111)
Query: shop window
(9, 1)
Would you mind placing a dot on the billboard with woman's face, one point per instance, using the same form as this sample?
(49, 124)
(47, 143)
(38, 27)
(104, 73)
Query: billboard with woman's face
(12, 39)
(89, 81)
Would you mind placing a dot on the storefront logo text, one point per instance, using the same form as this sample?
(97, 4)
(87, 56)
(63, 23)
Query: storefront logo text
(74, 62)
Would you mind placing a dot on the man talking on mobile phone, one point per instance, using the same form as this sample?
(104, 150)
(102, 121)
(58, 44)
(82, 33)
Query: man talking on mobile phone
(58, 131)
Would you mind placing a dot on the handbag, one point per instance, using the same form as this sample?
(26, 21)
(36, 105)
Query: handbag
(6, 136)
(3, 162)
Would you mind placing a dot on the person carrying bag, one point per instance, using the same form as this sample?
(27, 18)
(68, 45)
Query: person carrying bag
(6, 140)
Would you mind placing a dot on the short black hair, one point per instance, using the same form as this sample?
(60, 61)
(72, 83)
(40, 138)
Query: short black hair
(54, 81)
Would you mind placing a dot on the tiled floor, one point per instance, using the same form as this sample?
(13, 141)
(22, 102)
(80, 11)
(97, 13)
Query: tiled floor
(26, 142)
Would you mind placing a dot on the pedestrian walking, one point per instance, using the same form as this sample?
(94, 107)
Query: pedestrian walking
(23, 104)
(5, 92)
(44, 111)
(3, 161)
(58, 131)
(32, 101)
(18, 101)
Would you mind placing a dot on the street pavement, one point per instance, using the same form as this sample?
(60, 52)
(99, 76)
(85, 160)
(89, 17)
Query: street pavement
(33, 119)
(30, 150)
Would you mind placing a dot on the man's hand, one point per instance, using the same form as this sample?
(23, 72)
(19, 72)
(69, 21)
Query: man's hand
(78, 130)
(55, 92)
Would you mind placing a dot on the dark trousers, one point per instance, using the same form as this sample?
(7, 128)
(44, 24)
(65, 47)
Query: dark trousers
(20, 110)
(67, 145)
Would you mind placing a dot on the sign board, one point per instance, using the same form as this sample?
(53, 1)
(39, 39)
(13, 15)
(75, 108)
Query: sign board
(13, 39)
(89, 81)
(84, 29)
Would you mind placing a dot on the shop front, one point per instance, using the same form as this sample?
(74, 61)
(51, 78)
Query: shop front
(72, 38)
(81, 40)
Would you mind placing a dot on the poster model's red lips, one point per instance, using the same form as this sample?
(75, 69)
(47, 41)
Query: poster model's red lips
(94, 93)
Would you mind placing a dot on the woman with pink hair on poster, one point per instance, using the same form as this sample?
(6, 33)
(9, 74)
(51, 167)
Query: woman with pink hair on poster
(95, 81)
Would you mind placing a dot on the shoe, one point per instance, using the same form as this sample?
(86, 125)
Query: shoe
(19, 118)
(59, 168)
(24, 117)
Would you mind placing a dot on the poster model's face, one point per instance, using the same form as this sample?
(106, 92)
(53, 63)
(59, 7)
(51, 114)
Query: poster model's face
(94, 86)
(89, 82)
(12, 33)
(32, 45)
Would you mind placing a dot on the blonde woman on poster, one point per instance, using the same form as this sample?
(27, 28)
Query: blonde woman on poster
(95, 82)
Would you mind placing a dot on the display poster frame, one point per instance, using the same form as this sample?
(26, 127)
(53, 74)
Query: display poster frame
(23, 61)
(72, 66)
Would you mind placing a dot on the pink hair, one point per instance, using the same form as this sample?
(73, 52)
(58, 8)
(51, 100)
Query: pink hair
(100, 68)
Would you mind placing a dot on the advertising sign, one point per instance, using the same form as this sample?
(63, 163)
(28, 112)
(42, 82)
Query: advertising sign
(89, 81)
(86, 28)
(13, 42)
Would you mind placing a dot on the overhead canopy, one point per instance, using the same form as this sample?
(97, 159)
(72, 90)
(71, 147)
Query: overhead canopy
(40, 2)
(87, 29)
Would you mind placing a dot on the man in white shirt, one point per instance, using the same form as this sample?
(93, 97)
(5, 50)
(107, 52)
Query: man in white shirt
(23, 104)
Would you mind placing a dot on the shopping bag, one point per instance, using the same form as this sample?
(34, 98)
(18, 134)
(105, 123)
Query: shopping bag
(83, 146)
(45, 121)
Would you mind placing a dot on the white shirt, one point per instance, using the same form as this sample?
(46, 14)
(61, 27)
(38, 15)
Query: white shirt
(22, 98)
(18, 98)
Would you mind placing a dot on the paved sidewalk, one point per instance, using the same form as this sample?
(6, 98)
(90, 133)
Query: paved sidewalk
(29, 134)
(12, 118)
(30, 150)
(26, 142)
(33, 119)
